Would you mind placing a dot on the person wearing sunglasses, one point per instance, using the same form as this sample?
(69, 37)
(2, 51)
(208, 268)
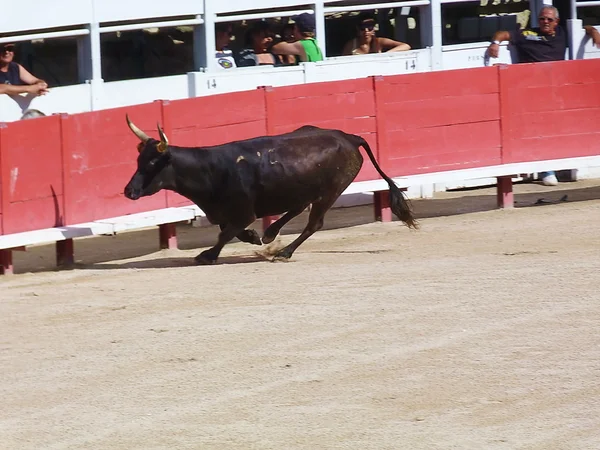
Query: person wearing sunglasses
(14, 78)
(546, 42)
(366, 40)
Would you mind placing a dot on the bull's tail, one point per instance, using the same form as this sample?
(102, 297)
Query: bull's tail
(399, 204)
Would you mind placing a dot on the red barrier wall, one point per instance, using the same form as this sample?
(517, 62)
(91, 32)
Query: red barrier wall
(550, 112)
(439, 120)
(32, 181)
(69, 169)
(100, 158)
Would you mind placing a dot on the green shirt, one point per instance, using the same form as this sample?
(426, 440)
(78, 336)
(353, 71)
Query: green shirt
(313, 52)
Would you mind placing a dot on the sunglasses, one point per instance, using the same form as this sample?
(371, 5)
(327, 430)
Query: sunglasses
(8, 49)
(367, 27)
(546, 19)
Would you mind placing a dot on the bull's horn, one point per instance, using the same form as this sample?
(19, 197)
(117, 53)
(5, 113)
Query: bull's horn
(163, 136)
(139, 133)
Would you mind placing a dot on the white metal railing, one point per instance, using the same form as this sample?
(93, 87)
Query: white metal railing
(92, 18)
(335, 9)
(575, 4)
(45, 35)
(143, 25)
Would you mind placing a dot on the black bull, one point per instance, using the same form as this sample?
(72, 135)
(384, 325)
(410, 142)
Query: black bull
(236, 183)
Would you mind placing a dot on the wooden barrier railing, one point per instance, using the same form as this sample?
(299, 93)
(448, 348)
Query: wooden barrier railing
(70, 169)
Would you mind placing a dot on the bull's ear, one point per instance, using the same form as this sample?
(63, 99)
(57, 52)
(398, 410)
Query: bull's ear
(161, 147)
(140, 147)
(139, 133)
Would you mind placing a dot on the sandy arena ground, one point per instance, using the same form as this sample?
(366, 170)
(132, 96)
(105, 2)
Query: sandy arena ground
(480, 331)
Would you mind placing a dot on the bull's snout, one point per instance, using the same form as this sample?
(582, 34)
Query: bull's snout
(131, 193)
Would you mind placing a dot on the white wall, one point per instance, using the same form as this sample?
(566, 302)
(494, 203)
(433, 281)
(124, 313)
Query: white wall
(16, 16)
(115, 10)
(472, 55)
(74, 99)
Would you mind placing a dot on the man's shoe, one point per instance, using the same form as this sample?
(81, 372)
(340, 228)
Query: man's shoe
(550, 180)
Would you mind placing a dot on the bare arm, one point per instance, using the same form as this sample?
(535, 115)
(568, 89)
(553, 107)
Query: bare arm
(593, 34)
(287, 48)
(26, 77)
(391, 45)
(35, 89)
(498, 36)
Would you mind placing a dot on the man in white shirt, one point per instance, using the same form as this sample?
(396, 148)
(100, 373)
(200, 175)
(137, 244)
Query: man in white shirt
(223, 33)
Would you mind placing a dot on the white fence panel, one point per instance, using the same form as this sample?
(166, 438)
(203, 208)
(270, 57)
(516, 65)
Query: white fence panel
(68, 99)
(118, 10)
(16, 16)
(243, 79)
(134, 92)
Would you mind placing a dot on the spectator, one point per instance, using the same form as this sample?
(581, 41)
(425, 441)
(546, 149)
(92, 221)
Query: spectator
(367, 42)
(305, 46)
(32, 114)
(223, 34)
(548, 42)
(14, 78)
(259, 41)
(288, 35)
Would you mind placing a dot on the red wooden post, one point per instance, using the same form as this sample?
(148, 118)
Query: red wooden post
(65, 253)
(6, 262)
(381, 203)
(168, 235)
(267, 221)
(504, 192)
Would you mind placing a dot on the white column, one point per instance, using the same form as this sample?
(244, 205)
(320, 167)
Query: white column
(319, 10)
(199, 46)
(208, 30)
(432, 33)
(576, 38)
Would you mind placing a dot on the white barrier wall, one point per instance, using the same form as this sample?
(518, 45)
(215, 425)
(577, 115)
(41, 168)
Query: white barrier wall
(81, 98)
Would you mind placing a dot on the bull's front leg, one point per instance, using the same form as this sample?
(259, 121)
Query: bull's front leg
(228, 232)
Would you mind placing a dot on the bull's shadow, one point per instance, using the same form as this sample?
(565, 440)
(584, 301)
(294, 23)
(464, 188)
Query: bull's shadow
(171, 262)
(100, 252)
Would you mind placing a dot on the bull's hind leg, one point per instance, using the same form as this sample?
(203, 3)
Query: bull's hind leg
(315, 223)
(249, 236)
(273, 230)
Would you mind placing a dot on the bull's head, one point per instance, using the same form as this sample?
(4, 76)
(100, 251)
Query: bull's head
(153, 158)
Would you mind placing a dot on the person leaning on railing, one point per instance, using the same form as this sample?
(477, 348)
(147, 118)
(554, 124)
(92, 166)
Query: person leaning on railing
(306, 47)
(366, 40)
(548, 42)
(14, 78)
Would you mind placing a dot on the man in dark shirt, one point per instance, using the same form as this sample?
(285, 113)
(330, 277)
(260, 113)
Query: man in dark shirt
(14, 78)
(546, 43)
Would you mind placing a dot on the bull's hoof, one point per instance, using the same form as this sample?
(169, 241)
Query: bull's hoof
(205, 260)
(282, 256)
(267, 238)
(253, 237)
